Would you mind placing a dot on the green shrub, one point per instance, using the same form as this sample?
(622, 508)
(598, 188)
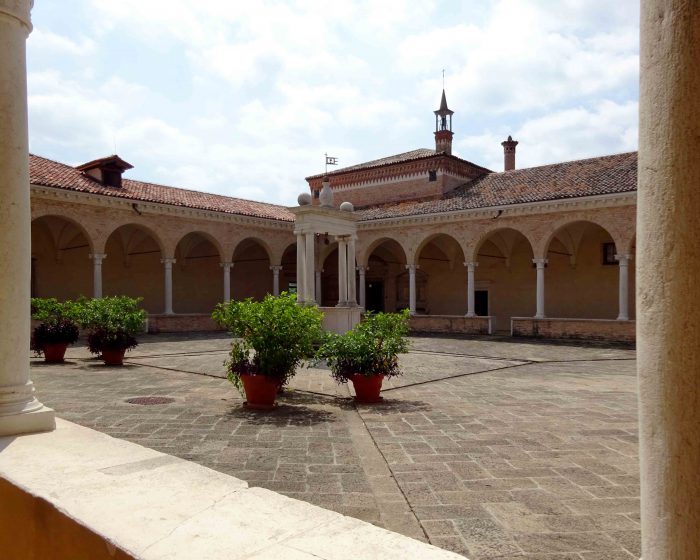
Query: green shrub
(58, 323)
(113, 322)
(273, 336)
(372, 347)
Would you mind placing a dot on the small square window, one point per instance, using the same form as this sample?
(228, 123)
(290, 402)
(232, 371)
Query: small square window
(317, 194)
(609, 253)
(432, 175)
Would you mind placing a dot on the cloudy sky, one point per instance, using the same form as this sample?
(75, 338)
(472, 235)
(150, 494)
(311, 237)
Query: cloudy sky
(243, 98)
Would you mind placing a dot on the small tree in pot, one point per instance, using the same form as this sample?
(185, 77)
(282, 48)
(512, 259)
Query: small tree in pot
(368, 353)
(113, 322)
(273, 336)
(57, 328)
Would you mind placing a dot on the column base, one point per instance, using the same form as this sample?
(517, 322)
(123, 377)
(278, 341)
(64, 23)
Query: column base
(42, 419)
(538, 317)
(621, 318)
(470, 315)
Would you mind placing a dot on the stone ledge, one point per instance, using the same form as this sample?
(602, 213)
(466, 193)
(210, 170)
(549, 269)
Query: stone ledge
(607, 330)
(79, 493)
(450, 324)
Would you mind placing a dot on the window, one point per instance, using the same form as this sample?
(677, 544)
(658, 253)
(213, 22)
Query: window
(432, 175)
(609, 253)
(292, 288)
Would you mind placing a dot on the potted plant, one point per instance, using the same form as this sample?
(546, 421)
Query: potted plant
(273, 336)
(57, 328)
(368, 353)
(113, 322)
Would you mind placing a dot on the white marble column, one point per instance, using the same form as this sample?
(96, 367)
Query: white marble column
(309, 276)
(301, 266)
(352, 278)
(97, 259)
(412, 287)
(471, 269)
(226, 267)
(319, 286)
(624, 288)
(540, 264)
(668, 268)
(276, 269)
(363, 286)
(168, 276)
(342, 273)
(20, 411)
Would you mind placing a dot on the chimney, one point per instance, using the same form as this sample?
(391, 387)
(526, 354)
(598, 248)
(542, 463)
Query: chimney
(107, 170)
(509, 154)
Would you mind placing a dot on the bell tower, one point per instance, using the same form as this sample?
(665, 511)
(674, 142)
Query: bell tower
(443, 127)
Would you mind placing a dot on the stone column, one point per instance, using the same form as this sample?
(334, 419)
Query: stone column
(471, 268)
(226, 266)
(623, 292)
(352, 280)
(342, 273)
(301, 268)
(20, 412)
(363, 286)
(412, 287)
(540, 264)
(97, 259)
(319, 287)
(309, 276)
(168, 275)
(668, 268)
(276, 279)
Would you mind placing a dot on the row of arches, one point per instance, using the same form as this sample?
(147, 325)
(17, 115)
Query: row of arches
(581, 271)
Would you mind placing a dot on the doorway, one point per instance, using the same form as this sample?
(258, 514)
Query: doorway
(375, 296)
(481, 303)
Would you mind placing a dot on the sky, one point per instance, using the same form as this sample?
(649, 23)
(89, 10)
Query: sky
(245, 98)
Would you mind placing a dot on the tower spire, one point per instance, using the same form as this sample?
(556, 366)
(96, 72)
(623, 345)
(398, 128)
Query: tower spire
(443, 126)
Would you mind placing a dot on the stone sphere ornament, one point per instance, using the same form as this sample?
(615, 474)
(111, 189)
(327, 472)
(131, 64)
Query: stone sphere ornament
(347, 207)
(304, 199)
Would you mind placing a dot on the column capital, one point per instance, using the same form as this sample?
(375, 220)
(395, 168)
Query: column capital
(168, 261)
(97, 257)
(276, 267)
(226, 264)
(412, 267)
(472, 264)
(540, 263)
(361, 268)
(19, 10)
(624, 258)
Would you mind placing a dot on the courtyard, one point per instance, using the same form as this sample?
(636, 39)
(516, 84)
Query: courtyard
(492, 448)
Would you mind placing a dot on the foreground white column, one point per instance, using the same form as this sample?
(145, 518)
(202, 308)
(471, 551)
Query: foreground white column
(319, 286)
(97, 259)
(275, 279)
(301, 268)
(309, 277)
(412, 287)
(668, 268)
(363, 286)
(540, 264)
(168, 276)
(20, 412)
(342, 273)
(226, 266)
(623, 294)
(352, 279)
(471, 267)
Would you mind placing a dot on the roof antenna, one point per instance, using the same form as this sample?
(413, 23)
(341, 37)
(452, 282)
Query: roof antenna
(443, 78)
(114, 141)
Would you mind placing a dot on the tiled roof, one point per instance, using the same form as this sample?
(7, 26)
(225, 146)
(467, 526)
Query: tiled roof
(50, 173)
(398, 158)
(573, 179)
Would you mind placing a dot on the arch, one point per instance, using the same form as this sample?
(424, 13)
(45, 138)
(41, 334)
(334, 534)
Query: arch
(375, 244)
(197, 274)
(192, 235)
(240, 245)
(60, 251)
(441, 279)
(503, 238)
(143, 228)
(558, 226)
(443, 239)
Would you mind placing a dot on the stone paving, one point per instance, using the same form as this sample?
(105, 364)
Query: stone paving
(490, 448)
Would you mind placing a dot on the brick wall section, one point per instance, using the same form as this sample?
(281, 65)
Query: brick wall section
(450, 324)
(578, 329)
(181, 323)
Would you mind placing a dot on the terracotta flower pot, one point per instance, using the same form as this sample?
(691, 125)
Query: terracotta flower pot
(367, 388)
(54, 353)
(260, 391)
(113, 356)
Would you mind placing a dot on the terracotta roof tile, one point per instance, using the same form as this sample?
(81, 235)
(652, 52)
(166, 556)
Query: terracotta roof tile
(50, 173)
(398, 158)
(573, 179)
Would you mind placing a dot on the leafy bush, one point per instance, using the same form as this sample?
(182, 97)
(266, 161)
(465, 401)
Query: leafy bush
(273, 335)
(372, 347)
(58, 323)
(113, 322)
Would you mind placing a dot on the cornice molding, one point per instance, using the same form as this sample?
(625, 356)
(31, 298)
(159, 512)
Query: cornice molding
(155, 208)
(531, 208)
